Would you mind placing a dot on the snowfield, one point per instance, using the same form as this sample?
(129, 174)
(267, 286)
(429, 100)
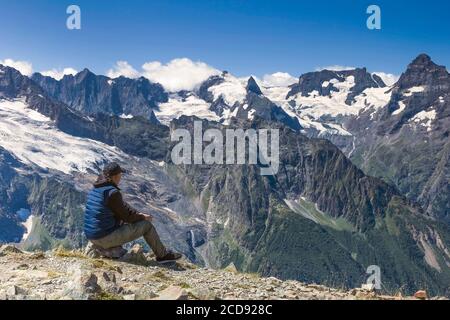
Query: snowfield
(232, 90)
(321, 113)
(425, 118)
(402, 107)
(28, 225)
(34, 140)
(413, 90)
(373, 98)
(310, 110)
(177, 106)
(317, 106)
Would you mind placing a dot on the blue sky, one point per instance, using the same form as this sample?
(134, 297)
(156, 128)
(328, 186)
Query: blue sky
(244, 37)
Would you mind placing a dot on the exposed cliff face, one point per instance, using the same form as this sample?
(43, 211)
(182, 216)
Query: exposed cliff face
(323, 101)
(259, 106)
(315, 81)
(407, 141)
(136, 136)
(52, 205)
(11, 228)
(320, 215)
(92, 94)
(231, 98)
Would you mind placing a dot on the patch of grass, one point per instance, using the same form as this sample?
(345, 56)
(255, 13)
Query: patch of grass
(184, 285)
(253, 275)
(192, 296)
(103, 295)
(102, 264)
(190, 266)
(163, 286)
(64, 253)
(307, 208)
(161, 275)
(157, 277)
(53, 274)
(243, 285)
(205, 198)
(37, 255)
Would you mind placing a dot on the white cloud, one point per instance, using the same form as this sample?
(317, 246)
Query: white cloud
(58, 74)
(278, 79)
(123, 68)
(388, 78)
(335, 68)
(178, 74)
(24, 67)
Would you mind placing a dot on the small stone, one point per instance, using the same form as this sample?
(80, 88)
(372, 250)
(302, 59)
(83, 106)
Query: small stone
(129, 297)
(107, 282)
(83, 285)
(421, 294)
(15, 291)
(91, 252)
(109, 277)
(6, 249)
(36, 297)
(89, 282)
(137, 249)
(173, 293)
(37, 255)
(229, 296)
(368, 287)
(22, 266)
(291, 295)
(365, 294)
(203, 294)
(231, 268)
(135, 255)
(3, 295)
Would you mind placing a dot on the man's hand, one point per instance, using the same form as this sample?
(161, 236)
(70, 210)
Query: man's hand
(147, 217)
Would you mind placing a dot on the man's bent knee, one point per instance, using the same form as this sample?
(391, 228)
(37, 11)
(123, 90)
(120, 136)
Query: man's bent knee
(145, 225)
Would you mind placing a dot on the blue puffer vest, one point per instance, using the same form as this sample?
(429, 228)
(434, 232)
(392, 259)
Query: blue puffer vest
(99, 220)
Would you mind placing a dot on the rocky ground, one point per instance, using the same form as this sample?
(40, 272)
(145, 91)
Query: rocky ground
(62, 274)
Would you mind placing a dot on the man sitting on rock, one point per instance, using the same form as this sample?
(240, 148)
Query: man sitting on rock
(110, 222)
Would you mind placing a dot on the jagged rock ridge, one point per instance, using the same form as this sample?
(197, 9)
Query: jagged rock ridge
(65, 275)
(407, 141)
(91, 94)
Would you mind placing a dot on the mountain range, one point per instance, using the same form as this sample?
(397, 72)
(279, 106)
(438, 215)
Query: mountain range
(364, 170)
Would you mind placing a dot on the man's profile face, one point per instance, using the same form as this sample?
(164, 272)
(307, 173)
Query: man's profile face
(116, 178)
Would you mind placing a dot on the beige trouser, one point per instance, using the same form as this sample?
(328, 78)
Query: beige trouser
(130, 232)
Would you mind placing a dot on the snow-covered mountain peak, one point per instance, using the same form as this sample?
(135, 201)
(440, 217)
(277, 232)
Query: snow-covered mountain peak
(188, 104)
(34, 140)
(231, 89)
(252, 86)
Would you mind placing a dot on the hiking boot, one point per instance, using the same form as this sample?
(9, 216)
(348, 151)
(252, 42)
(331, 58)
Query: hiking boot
(169, 257)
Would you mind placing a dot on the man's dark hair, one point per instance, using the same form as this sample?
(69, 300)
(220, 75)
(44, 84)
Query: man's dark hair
(111, 169)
